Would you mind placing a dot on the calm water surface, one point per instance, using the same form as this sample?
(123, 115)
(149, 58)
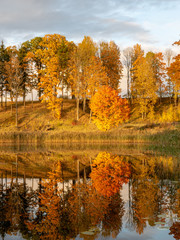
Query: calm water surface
(108, 192)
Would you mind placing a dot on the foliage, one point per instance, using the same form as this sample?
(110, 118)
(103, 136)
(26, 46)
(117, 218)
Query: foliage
(109, 173)
(144, 87)
(109, 110)
(171, 114)
(110, 57)
(50, 74)
(174, 72)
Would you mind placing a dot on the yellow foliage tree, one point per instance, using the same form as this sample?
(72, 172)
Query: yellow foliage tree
(144, 86)
(110, 57)
(50, 74)
(174, 73)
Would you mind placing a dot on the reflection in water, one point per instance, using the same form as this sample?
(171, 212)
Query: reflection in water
(95, 207)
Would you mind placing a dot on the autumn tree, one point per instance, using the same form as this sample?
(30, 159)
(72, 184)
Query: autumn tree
(14, 78)
(110, 56)
(50, 74)
(108, 108)
(156, 61)
(127, 60)
(34, 56)
(168, 55)
(22, 52)
(144, 86)
(32, 77)
(79, 64)
(3, 58)
(137, 52)
(174, 73)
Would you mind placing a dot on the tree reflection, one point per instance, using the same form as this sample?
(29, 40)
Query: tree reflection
(152, 198)
(175, 230)
(109, 173)
(94, 205)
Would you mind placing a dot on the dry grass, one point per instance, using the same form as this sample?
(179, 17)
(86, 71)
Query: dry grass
(38, 125)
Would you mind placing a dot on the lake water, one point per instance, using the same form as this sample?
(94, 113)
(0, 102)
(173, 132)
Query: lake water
(124, 192)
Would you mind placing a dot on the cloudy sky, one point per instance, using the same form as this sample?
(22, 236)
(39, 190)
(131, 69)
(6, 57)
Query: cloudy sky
(152, 23)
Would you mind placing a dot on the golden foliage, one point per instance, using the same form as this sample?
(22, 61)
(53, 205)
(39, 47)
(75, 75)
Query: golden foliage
(144, 87)
(110, 57)
(50, 74)
(174, 72)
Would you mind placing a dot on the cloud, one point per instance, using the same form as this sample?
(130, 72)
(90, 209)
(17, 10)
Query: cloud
(75, 18)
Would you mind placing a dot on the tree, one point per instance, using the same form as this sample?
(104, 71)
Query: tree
(144, 86)
(14, 78)
(3, 58)
(156, 61)
(79, 64)
(137, 52)
(35, 50)
(108, 108)
(127, 53)
(174, 73)
(168, 55)
(22, 53)
(110, 57)
(50, 74)
(109, 173)
(32, 78)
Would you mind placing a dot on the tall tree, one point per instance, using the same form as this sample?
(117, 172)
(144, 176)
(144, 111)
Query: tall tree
(3, 58)
(136, 53)
(168, 55)
(110, 57)
(174, 73)
(127, 53)
(79, 65)
(156, 60)
(14, 77)
(144, 87)
(50, 77)
(87, 49)
(22, 53)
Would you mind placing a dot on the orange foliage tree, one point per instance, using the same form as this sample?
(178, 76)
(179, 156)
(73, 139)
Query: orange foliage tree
(109, 173)
(108, 108)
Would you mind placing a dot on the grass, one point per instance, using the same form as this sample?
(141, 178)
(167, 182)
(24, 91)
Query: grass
(37, 125)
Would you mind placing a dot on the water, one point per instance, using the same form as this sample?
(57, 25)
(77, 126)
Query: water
(89, 192)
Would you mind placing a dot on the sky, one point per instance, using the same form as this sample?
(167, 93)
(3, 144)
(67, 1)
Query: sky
(152, 23)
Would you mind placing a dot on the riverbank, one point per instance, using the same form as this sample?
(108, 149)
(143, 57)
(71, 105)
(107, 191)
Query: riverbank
(36, 124)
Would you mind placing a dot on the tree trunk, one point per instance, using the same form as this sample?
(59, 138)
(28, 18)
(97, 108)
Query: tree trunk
(78, 175)
(6, 99)
(90, 116)
(11, 103)
(16, 111)
(128, 84)
(32, 97)
(77, 105)
(24, 97)
(84, 104)
(1, 98)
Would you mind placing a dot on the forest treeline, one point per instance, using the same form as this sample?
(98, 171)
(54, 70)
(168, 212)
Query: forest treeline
(52, 65)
